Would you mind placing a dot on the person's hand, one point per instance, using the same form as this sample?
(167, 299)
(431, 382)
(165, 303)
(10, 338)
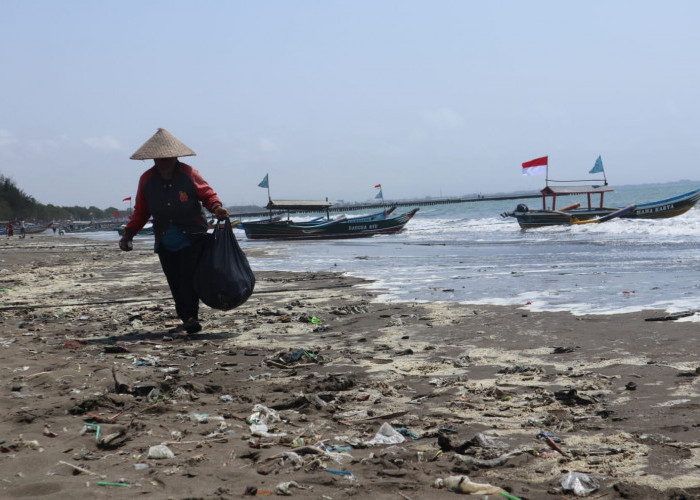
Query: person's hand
(126, 244)
(221, 213)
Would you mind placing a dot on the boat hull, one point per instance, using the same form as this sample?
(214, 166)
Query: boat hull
(359, 227)
(38, 229)
(662, 209)
(32, 229)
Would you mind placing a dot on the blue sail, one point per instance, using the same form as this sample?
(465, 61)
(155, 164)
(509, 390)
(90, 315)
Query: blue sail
(598, 167)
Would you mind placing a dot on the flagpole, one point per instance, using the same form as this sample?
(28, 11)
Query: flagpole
(546, 175)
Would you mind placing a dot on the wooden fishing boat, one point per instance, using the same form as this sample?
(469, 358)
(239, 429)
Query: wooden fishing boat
(29, 229)
(384, 222)
(37, 228)
(81, 226)
(574, 213)
(278, 220)
(590, 212)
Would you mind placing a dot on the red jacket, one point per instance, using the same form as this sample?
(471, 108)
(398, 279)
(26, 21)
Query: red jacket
(177, 201)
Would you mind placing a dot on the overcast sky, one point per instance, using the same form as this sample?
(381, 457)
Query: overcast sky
(331, 97)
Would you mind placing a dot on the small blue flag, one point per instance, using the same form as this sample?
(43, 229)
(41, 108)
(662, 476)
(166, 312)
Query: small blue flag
(263, 183)
(598, 167)
(379, 195)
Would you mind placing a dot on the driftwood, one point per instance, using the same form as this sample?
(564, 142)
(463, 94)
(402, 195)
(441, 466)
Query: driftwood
(121, 385)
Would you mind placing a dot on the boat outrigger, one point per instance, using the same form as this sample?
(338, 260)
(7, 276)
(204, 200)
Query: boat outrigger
(594, 210)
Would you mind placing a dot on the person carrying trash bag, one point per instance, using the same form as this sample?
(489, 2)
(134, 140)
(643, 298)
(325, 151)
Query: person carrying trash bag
(173, 193)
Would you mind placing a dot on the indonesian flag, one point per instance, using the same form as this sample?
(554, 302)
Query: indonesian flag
(536, 166)
(128, 198)
(378, 186)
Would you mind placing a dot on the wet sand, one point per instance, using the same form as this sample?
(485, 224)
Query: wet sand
(85, 348)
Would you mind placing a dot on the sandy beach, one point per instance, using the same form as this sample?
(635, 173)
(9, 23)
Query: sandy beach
(316, 390)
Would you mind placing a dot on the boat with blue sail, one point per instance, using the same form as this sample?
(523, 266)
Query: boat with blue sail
(323, 227)
(384, 222)
(593, 209)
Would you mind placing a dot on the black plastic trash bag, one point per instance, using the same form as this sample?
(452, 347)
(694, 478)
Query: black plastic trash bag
(223, 279)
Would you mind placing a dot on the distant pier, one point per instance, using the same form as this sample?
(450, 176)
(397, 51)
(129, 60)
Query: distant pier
(403, 203)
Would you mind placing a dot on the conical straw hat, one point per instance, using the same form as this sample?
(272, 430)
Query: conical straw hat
(162, 145)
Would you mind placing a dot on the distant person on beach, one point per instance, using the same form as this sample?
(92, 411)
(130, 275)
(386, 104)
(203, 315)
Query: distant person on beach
(22, 229)
(173, 193)
(10, 229)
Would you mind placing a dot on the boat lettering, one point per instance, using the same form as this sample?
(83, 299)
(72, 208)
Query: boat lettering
(363, 227)
(660, 208)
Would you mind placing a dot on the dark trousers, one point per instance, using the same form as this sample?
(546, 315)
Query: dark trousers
(179, 268)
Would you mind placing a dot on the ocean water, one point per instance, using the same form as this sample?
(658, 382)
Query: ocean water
(468, 253)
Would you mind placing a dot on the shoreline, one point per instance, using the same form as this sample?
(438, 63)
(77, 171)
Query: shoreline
(619, 391)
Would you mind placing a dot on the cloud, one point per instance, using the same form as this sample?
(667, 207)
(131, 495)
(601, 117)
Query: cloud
(444, 119)
(266, 145)
(7, 138)
(105, 142)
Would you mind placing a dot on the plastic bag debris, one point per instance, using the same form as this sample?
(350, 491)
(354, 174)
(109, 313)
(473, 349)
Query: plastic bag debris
(462, 484)
(545, 434)
(160, 451)
(259, 420)
(204, 418)
(487, 442)
(386, 435)
(408, 433)
(283, 488)
(578, 482)
(262, 415)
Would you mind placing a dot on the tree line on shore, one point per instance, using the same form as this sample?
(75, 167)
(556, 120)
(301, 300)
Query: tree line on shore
(15, 204)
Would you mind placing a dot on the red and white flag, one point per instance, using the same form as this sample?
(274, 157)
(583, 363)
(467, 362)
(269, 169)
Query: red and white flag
(536, 166)
(128, 198)
(378, 186)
